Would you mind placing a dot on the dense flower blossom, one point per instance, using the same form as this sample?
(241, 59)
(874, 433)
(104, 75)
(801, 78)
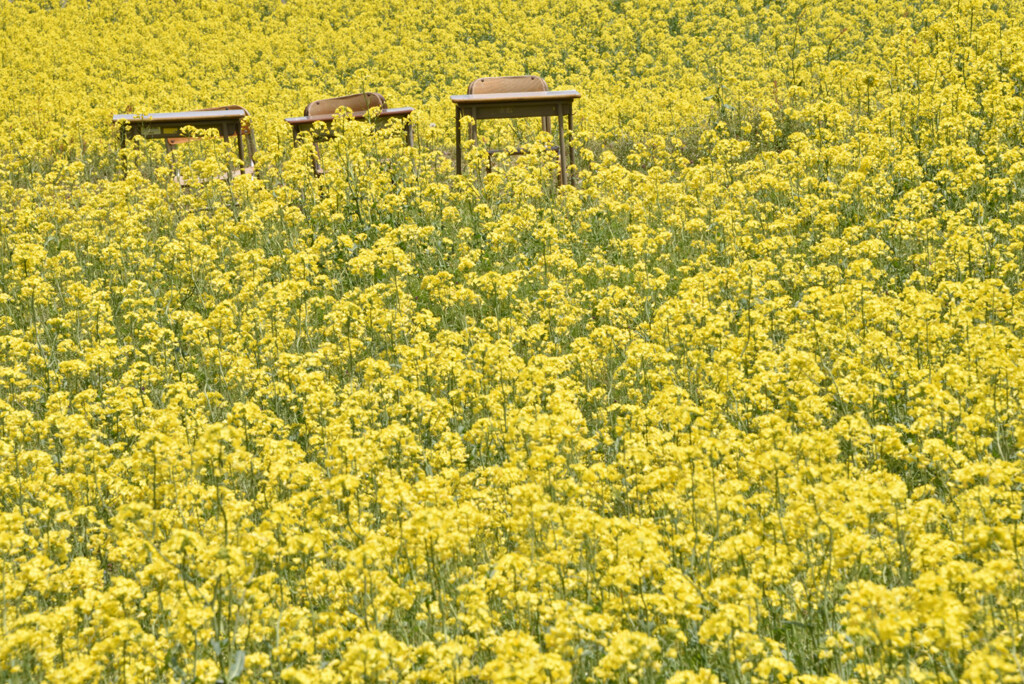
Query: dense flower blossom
(745, 405)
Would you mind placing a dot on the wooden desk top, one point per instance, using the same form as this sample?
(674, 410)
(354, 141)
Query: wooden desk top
(535, 97)
(183, 117)
(327, 118)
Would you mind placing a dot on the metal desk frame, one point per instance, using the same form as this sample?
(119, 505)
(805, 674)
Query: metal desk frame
(301, 124)
(516, 106)
(231, 121)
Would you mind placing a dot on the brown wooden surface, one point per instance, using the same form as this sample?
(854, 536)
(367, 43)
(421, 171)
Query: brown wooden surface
(301, 124)
(203, 115)
(172, 131)
(359, 103)
(513, 110)
(553, 103)
(396, 112)
(499, 98)
(508, 84)
(230, 122)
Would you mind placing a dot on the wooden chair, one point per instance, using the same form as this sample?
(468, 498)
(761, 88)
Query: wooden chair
(360, 103)
(508, 84)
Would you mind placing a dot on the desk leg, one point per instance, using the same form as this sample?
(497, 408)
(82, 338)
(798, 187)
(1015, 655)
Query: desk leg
(572, 151)
(561, 149)
(241, 153)
(318, 169)
(124, 159)
(458, 141)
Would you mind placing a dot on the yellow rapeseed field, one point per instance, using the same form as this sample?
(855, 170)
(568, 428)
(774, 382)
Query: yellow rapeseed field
(743, 406)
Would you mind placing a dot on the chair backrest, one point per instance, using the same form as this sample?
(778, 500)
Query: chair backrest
(507, 84)
(359, 103)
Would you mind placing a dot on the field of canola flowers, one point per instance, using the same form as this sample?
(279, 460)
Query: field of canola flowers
(745, 406)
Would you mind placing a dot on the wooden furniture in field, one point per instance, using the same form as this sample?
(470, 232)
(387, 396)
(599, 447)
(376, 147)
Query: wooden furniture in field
(361, 107)
(232, 122)
(514, 97)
